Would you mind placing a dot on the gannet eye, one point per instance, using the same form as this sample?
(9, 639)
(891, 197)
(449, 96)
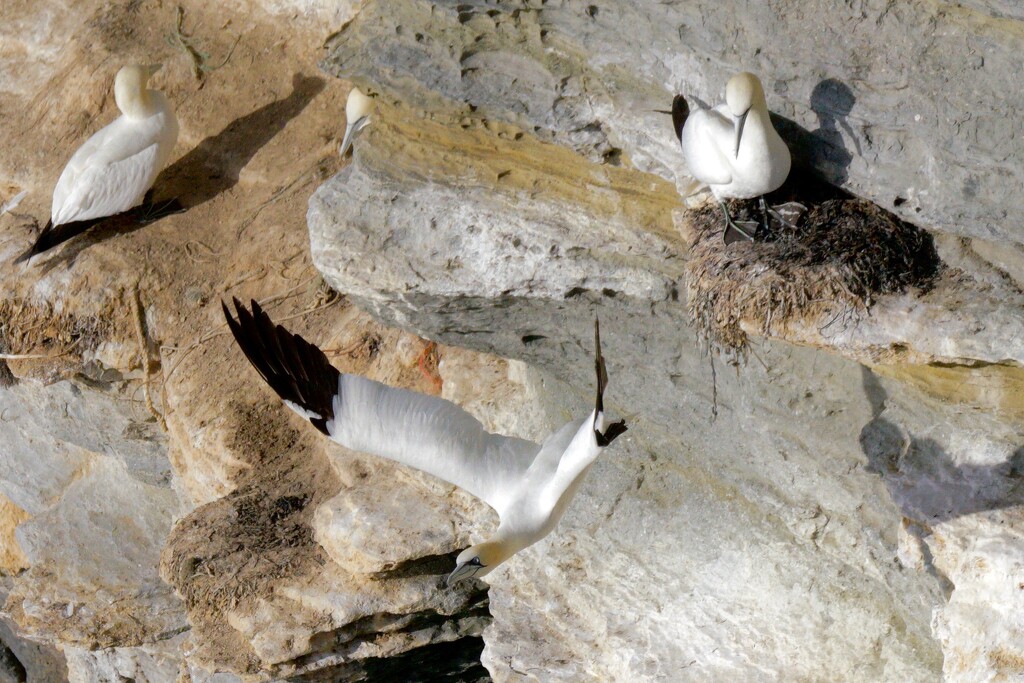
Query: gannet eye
(476, 562)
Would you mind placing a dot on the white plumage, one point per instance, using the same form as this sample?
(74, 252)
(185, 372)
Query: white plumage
(114, 169)
(733, 148)
(358, 109)
(528, 484)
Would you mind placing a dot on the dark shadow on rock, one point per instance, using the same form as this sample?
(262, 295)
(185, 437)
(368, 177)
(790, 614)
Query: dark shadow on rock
(211, 168)
(215, 163)
(11, 668)
(823, 150)
(832, 101)
(923, 480)
(456, 661)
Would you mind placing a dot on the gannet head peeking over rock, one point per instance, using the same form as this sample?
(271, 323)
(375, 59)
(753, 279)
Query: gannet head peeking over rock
(528, 484)
(114, 169)
(357, 116)
(733, 148)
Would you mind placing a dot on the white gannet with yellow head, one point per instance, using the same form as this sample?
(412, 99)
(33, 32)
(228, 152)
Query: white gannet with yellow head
(357, 116)
(116, 167)
(528, 484)
(733, 148)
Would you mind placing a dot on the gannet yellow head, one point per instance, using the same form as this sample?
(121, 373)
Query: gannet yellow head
(130, 91)
(478, 560)
(357, 116)
(742, 93)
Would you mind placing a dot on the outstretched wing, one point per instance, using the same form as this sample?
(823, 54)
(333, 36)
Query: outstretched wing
(425, 432)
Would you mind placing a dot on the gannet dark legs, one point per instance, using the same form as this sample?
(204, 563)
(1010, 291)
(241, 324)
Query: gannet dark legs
(731, 229)
(733, 148)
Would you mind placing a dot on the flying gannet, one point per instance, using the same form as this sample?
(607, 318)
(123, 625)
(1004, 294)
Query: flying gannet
(357, 116)
(528, 484)
(116, 167)
(733, 148)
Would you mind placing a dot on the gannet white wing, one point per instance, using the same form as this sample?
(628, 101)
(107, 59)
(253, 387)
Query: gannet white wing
(424, 432)
(704, 139)
(106, 176)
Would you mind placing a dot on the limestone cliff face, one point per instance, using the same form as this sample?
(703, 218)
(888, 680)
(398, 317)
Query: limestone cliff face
(837, 521)
(851, 513)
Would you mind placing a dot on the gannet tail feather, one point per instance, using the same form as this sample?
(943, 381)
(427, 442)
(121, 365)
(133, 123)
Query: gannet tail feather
(680, 112)
(614, 429)
(53, 236)
(298, 371)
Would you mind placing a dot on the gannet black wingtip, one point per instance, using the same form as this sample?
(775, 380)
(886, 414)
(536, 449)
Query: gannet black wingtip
(43, 242)
(680, 112)
(56, 235)
(599, 367)
(299, 372)
(616, 428)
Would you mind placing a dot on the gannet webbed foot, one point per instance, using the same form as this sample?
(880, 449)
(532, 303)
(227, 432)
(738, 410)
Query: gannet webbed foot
(733, 232)
(149, 212)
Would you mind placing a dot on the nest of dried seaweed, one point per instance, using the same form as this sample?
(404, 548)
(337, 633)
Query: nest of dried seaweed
(828, 268)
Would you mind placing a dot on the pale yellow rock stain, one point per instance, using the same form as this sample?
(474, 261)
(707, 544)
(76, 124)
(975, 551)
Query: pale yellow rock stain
(995, 388)
(505, 158)
(12, 557)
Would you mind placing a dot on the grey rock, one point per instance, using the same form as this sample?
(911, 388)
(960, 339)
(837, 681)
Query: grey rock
(153, 663)
(95, 478)
(49, 433)
(11, 668)
(41, 663)
(93, 579)
(906, 104)
(811, 530)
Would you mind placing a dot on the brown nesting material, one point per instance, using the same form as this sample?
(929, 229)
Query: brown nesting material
(841, 255)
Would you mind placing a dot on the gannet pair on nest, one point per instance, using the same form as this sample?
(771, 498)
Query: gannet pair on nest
(733, 148)
(528, 484)
(115, 168)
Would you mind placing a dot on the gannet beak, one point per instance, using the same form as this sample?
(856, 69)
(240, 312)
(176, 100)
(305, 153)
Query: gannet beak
(352, 132)
(466, 570)
(153, 68)
(739, 131)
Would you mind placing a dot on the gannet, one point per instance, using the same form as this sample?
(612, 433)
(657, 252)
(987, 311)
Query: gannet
(357, 116)
(529, 485)
(114, 169)
(733, 148)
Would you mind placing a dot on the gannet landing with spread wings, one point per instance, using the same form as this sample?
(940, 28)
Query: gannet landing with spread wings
(358, 108)
(733, 148)
(528, 484)
(114, 169)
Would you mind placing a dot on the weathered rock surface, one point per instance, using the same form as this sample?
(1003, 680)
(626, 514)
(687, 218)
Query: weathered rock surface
(904, 104)
(156, 501)
(836, 521)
